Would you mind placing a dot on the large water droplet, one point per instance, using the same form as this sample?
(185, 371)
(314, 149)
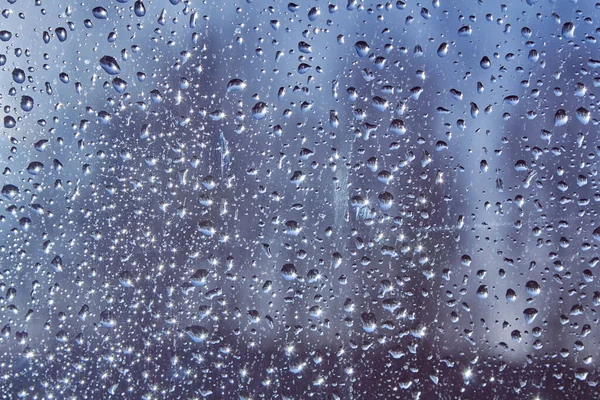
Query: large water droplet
(100, 12)
(10, 191)
(362, 48)
(27, 103)
(139, 8)
(109, 64)
(443, 50)
(259, 111)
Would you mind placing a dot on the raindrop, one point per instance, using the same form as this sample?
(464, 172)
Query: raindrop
(596, 234)
(465, 30)
(35, 167)
(560, 117)
(314, 13)
(5, 35)
(369, 322)
(533, 288)
(304, 47)
(259, 111)
(568, 30)
(61, 34)
(289, 272)
(511, 295)
(362, 48)
(442, 51)
(139, 8)
(583, 115)
(485, 62)
(303, 68)
(9, 122)
(18, 75)
(100, 12)
(109, 64)
(10, 191)
(119, 85)
(530, 315)
(207, 228)
(27, 103)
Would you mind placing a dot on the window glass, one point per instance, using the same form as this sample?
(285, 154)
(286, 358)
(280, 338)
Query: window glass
(331, 200)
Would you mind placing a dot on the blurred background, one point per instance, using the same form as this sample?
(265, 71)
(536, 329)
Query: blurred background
(264, 199)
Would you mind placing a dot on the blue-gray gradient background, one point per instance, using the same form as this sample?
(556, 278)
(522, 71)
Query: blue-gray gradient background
(495, 191)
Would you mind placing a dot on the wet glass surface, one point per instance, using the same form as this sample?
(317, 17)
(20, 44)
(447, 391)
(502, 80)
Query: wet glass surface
(329, 200)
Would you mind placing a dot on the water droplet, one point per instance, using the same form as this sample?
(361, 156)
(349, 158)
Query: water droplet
(362, 48)
(61, 336)
(516, 336)
(530, 315)
(511, 100)
(596, 234)
(304, 47)
(466, 260)
(18, 75)
(5, 35)
(100, 12)
(9, 122)
(568, 30)
(482, 292)
(397, 127)
(314, 13)
(369, 322)
(207, 228)
(57, 264)
(485, 62)
(126, 279)
(581, 374)
(583, 115)
(61, 34)
(303, 68)
(443, 50)
(474, 110)
(199, 278)
(35, 167)
(259, 111)
(139, 8)
(236, 85)
(465, 30)
(533, 288)
(119, 85)
(109, 64)
(27, 103)
(560, 117)
(289, 272)
(511, 295)
(10, 191)
(379, 103)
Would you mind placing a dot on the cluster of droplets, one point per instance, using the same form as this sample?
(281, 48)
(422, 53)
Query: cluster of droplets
(193, 214)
